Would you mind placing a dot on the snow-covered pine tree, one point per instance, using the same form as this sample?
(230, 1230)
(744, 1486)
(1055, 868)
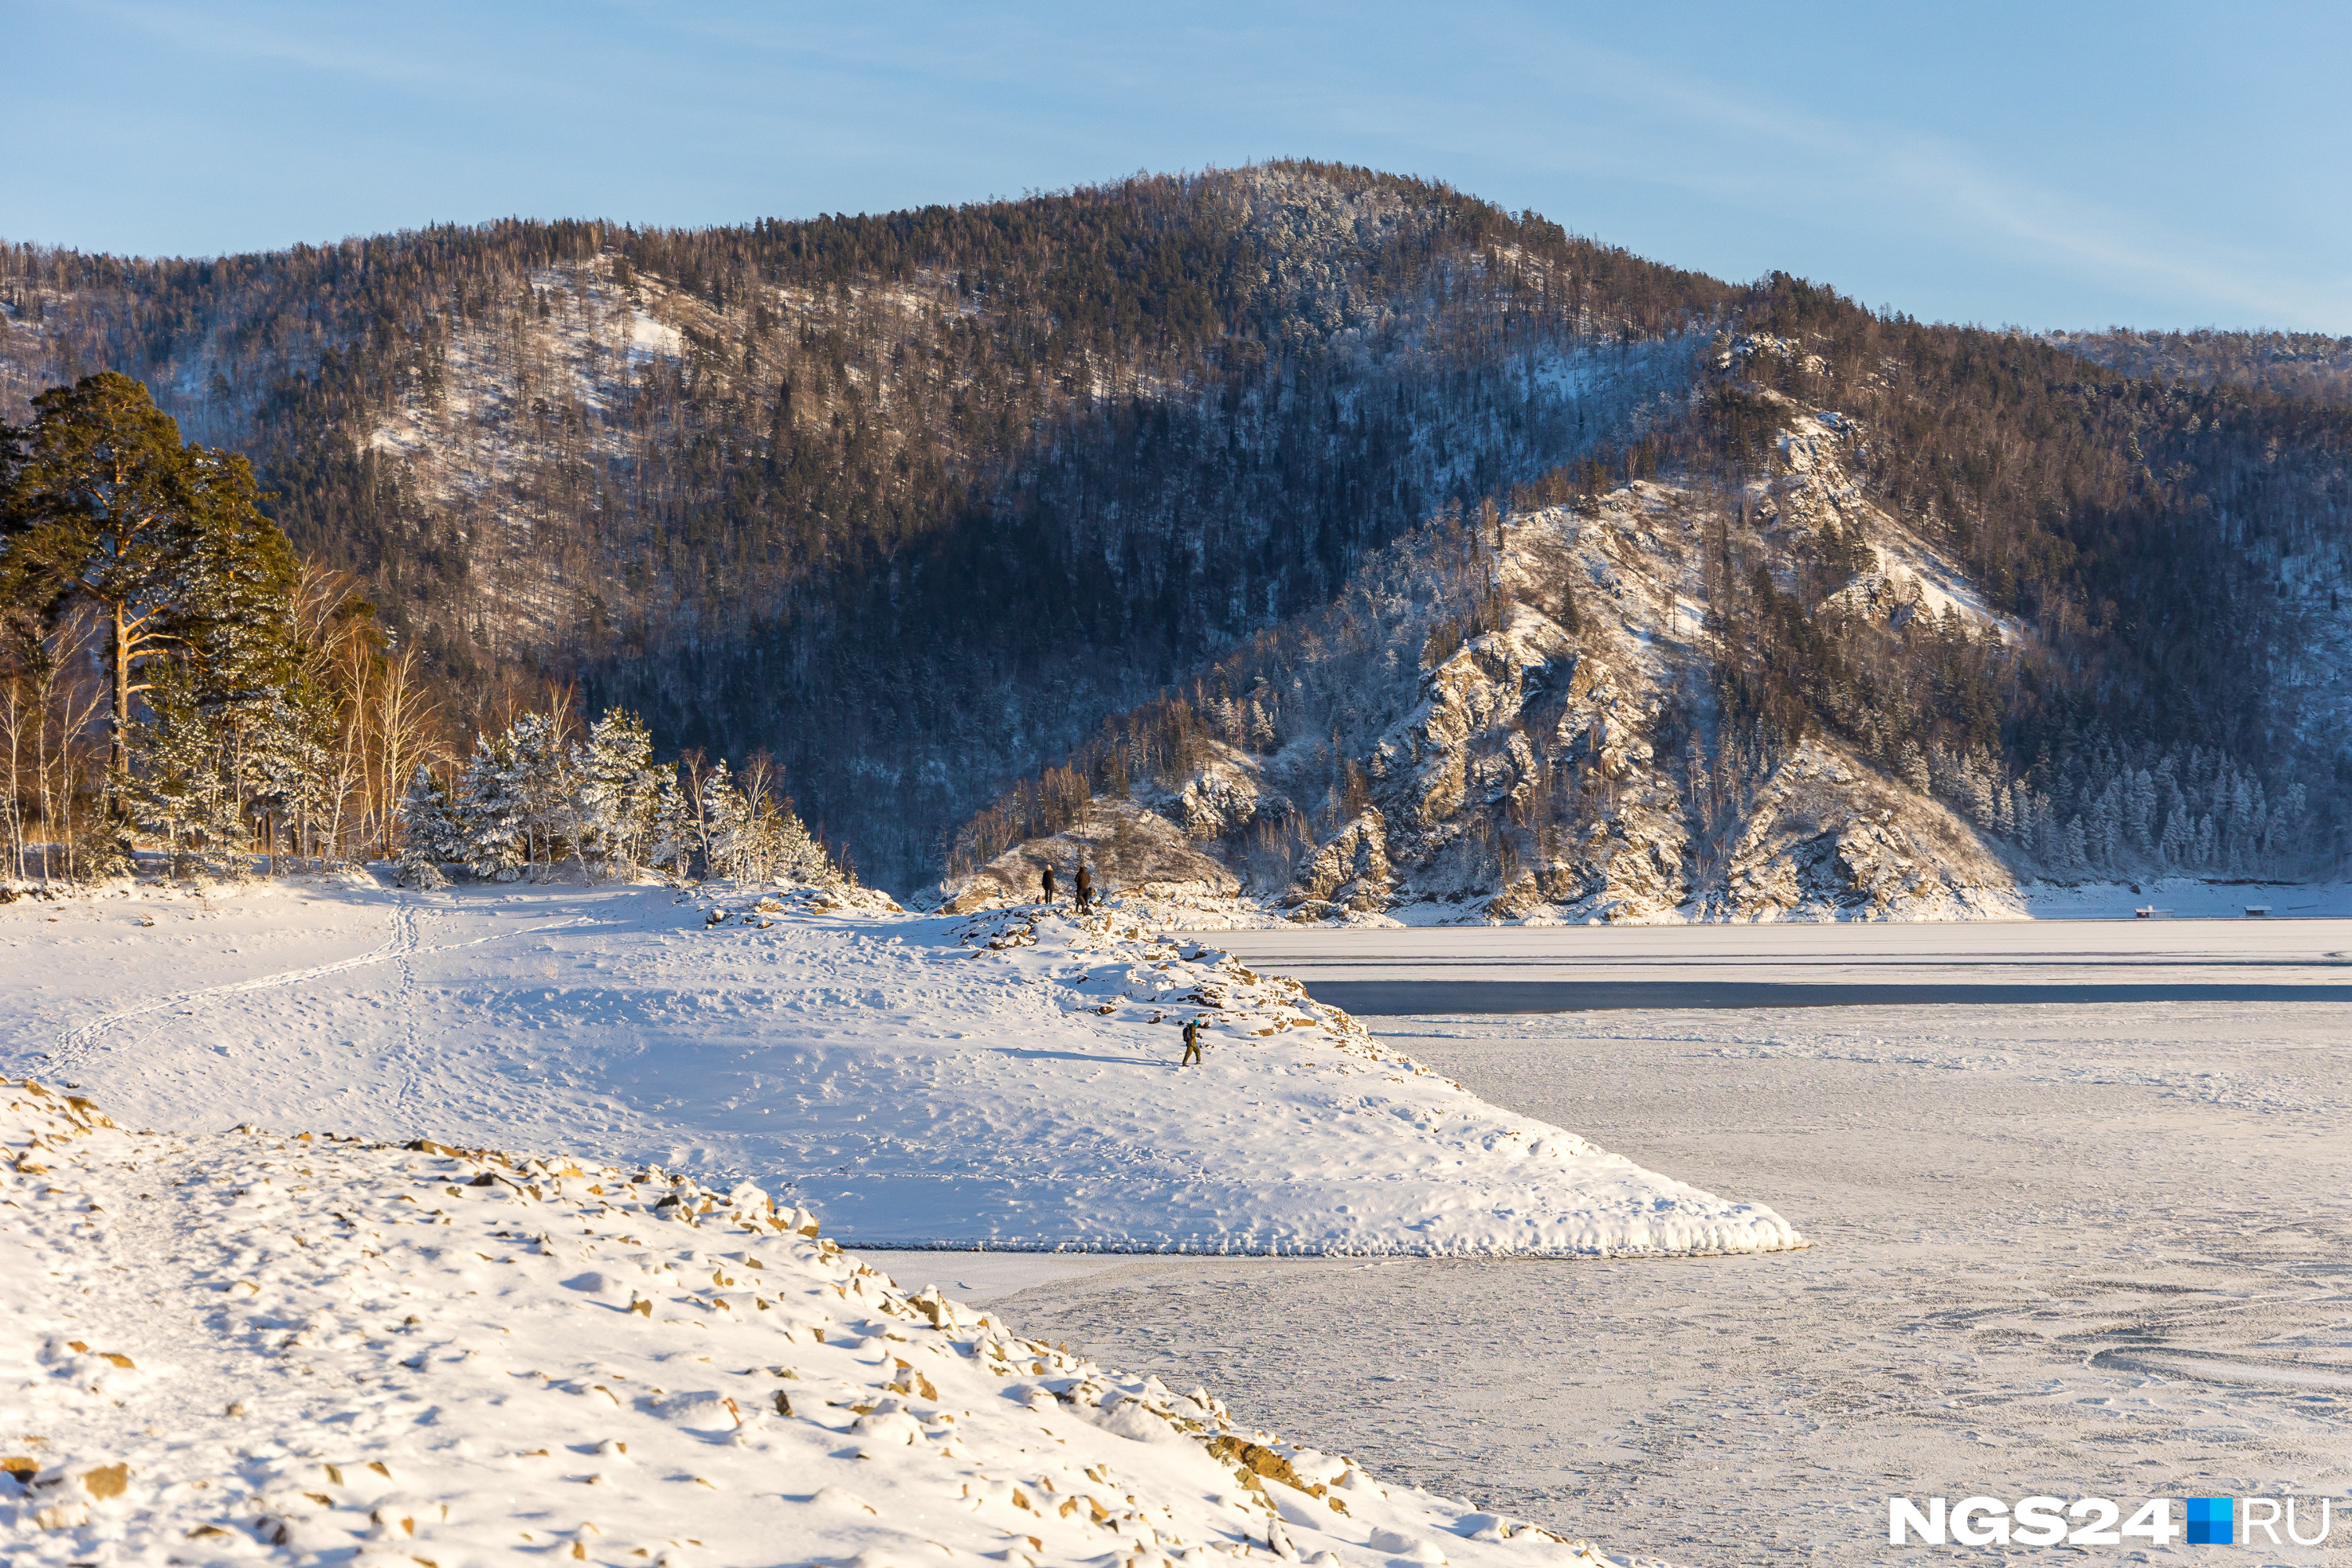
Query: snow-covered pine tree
(1261, 728)
(2172, 847)
(290, 742)
(2235, 798)
(184, 791)
(2103, 832)
(1971, 786)
(2140, 811)
(727, 824)
(799, 858)
(1912, 764)
(488, 812)
(543, 782)
(617, 795)
(678, 827)
(2286, 821)
(428, 832)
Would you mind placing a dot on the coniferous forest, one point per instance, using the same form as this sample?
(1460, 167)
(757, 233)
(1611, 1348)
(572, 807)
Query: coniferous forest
(898, 513)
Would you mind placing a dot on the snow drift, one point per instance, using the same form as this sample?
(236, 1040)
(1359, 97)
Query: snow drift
(233, 1345)
(1005, 1080)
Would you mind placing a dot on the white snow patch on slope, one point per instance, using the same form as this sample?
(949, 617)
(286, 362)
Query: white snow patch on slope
(1912, 575)
(652, 338)
(228, 1343)
(1006, 1081)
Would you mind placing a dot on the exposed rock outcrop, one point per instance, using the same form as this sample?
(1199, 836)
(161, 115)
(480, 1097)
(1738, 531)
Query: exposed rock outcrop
(1129, 849)
(1542, 738)
(1348, 876)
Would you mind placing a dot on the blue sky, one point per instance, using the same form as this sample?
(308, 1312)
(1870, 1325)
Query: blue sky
(2045, 165)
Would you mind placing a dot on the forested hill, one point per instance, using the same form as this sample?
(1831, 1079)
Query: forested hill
(1886, 618)
(918, 502)
(2311, 367)
(912, 500)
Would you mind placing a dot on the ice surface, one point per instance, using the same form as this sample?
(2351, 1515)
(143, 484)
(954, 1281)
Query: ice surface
(984, 1276)
(2101, 1250)
(1775, 964)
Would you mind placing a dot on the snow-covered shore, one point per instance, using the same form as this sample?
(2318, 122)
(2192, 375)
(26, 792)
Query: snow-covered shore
(1007, 1080)
(226, 1346)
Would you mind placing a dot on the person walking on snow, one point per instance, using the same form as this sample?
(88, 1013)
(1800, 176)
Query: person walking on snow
(1086, 886)
(1048, 883)
(1192, 1043)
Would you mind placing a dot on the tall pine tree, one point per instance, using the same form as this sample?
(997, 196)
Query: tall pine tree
(99, 510)
(428, 833)
(227, 700)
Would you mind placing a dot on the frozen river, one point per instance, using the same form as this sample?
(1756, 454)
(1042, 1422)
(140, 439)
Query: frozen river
(2272, 958)
(2079, 1250)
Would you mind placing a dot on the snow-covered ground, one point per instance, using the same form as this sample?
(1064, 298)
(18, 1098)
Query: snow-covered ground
(1000, 1081)
(2060, 1250)
(1198, 909)
(229, 1347)
(2185, 897)
(2090, 1250)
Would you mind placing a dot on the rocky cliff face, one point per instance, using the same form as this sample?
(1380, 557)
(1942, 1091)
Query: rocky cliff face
(1529, 731)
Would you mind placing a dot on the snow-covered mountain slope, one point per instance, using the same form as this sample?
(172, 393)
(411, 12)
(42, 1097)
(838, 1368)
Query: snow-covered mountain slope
(1530, 731)
(909, 500)
(1009, 1081)
(251, 1346)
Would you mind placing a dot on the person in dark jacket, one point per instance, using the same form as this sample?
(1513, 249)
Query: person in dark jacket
(1191, 1042)
(1047, 880)
(1086, 886)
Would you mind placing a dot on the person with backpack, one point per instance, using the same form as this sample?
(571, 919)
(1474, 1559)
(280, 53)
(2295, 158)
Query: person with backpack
(1192, 1043)
(1086, 886)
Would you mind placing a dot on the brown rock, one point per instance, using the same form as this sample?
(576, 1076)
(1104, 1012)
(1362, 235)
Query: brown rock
(63, 1516)
(1253, 1460)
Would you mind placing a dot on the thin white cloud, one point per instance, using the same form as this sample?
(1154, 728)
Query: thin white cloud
(395, 58)
(1674, 127)
(2094, 241)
